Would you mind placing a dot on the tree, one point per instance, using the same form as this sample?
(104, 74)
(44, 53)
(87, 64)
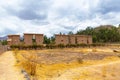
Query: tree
(4, 42)
(106, 33)
(52, 40)
(70, 33)
(46, 40)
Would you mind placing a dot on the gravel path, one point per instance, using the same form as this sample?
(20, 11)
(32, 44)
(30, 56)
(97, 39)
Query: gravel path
(7, 69)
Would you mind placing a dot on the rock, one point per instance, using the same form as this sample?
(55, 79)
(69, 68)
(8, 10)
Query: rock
(22, 71)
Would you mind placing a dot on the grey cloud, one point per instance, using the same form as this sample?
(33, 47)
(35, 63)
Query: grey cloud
(39, 22)
(30, 10)
(42, 16)
(107, 6)
(8, 31)
(67, 27)
(30, 15)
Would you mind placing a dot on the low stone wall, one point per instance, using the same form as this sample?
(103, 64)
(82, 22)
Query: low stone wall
(3, 49)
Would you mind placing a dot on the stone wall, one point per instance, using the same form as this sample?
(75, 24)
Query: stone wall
(3, 48)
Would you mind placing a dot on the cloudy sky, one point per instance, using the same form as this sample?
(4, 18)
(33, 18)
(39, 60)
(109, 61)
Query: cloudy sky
(54, 16)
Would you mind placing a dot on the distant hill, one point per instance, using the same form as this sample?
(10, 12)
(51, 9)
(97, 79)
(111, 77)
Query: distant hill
(104, 26)
(102, 33)
(3, 38)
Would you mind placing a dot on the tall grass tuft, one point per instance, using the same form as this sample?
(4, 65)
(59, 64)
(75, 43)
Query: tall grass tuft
(29, 63)
(15, 53)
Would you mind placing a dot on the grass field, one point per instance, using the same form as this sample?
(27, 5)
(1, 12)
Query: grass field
(70, 64)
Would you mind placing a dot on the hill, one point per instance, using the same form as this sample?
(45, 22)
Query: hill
(102, 33)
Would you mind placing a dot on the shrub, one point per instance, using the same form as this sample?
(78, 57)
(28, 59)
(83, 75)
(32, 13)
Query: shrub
(97, 44)
(82, 45)
(80, 60)
(50, 46)
(61, 46)
(71, 45)
(40, 46)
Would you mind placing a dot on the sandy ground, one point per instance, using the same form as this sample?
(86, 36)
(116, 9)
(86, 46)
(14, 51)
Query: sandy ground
(8, 71)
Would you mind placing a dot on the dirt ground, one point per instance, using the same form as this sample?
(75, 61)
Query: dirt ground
(8, 71)
(100, 63)
(73, 54)
(77, 63)
(107, 71)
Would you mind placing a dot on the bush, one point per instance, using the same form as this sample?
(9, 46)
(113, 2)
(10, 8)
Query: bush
(40, 46)
(71, 45)
(61, 46)
(50, 46)
(97, 44)
(80, 60)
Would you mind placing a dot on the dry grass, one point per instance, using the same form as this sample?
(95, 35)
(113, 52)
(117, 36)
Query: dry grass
(27, 62)
(45, 71)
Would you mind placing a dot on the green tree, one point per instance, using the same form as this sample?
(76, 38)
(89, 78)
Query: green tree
(52, 40)
(106, 33)
(4, 42)
(70, 33)
(46, 40)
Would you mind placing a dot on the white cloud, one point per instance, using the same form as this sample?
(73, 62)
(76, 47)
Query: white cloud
(54, 16)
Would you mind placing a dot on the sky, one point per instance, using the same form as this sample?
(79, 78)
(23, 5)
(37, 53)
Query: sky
(50, 17)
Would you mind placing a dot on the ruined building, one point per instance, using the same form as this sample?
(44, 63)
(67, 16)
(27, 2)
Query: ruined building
(61, 39)
(73, 39)
(30, 38)
(13, 39)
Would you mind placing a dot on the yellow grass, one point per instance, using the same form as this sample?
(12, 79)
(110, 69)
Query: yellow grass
(52, 71)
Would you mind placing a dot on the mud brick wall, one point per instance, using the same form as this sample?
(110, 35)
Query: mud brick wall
(81, 39)
(28, 39)
(72, 39)
(90, 40)
(61, 39)
(39, 39)
(13, 39)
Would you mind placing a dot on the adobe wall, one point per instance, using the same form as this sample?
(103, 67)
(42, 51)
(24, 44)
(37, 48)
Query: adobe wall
(72, 39)
(61, 39)
(13, 39)
(28, 39)
(39, 39)
(90, 40)
(81, 39)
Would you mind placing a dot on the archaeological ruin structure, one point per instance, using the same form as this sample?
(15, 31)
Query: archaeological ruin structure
(33, 38)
